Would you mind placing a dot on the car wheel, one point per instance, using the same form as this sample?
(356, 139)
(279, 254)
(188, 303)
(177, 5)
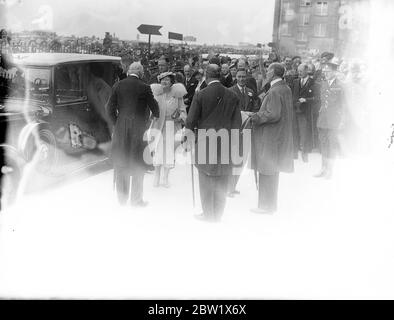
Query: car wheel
(11, 176)
(44, 151)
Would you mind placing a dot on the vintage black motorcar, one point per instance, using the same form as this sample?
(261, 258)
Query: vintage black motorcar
(54, 107)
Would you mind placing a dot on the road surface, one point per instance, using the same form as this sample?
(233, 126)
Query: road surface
(329, 239)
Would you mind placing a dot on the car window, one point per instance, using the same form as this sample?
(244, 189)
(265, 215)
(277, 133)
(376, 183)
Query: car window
(69, 83)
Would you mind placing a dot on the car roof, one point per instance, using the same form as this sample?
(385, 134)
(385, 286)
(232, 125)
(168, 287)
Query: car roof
(51, 59)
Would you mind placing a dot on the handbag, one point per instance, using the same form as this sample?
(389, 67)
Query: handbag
(177, 113)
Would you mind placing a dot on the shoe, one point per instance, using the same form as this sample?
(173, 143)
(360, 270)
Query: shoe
(263, 211)
(304, 157)
(328, 175)
(233, 193)
(140, 204)
(203, 217)
(166, 185)
(321, 174)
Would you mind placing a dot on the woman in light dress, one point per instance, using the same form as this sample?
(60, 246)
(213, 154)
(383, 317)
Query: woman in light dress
(169, 96)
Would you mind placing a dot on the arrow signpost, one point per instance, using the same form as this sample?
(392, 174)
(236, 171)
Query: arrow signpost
(149, 29)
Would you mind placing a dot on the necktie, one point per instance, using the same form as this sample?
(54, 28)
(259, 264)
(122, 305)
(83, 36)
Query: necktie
(245, 98)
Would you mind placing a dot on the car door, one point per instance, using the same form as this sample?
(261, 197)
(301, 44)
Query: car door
(72, 118)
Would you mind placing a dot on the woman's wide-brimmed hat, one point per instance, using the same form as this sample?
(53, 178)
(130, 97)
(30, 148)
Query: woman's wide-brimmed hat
(165, 74)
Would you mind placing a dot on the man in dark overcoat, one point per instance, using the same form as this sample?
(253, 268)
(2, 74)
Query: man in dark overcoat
(128, 109)
(304, 96)
(272, 139)
(214, 108)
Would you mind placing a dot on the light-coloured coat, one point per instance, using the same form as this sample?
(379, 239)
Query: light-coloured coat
(272, 133)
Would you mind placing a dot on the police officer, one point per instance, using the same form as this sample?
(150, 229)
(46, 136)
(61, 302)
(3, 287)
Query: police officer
(330, 119)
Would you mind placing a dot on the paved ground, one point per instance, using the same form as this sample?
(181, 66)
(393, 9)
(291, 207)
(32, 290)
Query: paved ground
(329, 239)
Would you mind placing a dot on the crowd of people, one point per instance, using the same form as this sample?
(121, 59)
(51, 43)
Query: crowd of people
(292, 106)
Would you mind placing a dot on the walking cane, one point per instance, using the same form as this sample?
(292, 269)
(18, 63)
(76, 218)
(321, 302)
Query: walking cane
(256, 181)
(313, 130)
(191, 166)
(192, 173)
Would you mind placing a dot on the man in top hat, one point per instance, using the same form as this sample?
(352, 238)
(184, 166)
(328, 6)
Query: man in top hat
(330, 119)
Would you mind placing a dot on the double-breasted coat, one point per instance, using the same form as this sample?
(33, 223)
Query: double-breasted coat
(129, 109)
(272, 133)
(214, 107)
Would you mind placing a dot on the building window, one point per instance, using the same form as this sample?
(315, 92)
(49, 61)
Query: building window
(287, 9)
(320, 30)
(284, 29)
(301, 36)
(305, 3)
(304, 20)
(322, 8)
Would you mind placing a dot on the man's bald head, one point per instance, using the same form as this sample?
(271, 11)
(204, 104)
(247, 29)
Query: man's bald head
(213, 72)
(136, 68)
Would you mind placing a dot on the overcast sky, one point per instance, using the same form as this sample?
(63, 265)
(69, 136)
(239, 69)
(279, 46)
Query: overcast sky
(210, 21)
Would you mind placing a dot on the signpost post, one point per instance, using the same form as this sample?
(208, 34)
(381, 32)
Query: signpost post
(149, 29)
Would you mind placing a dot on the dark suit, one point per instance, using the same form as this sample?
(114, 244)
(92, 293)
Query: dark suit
(251, 83)
(290, 76)
(203, 85)
(303, 114)
(272, 142)
(128, 110)
(190, 86)
(215, 107)
(247, 101)
(227, 80)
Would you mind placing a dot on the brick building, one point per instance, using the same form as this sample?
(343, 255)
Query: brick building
(314, 26)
